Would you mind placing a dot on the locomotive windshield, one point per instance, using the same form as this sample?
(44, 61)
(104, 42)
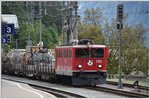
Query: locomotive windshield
(86, 53)
(82, 53)
(97, 52)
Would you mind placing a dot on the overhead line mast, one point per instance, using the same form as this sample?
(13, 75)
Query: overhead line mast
(70, 21)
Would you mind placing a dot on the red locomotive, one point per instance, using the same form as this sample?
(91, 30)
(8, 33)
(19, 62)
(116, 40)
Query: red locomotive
(81, 64)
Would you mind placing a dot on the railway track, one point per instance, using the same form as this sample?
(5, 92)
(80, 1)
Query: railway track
(129, 85)
(71, 92)
(57, 93)
(119, 91)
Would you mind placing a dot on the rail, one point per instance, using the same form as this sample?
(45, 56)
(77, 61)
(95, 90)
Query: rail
(128, 85)
(120, 92)
(69, 94)
(57, 93)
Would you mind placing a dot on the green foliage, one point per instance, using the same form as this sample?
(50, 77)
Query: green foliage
(91, 32)
(5, 48)
(134, 51)
(50, 34)
(93, 16)
(90, 27)
(51, 24)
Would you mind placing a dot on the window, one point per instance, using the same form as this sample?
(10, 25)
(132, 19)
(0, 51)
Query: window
(97, 52)
(65, 53)
(60, 53)
(70, 53)
(82, 52)
(57, 53)
(86, 53)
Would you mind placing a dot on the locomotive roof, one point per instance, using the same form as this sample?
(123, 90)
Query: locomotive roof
(82, 46)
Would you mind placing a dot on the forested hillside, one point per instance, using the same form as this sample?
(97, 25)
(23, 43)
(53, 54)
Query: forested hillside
(29, 24)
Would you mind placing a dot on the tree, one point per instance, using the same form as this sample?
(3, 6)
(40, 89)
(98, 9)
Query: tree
(90, 27)
(51, 29)
(134, 50)
(133, 41)
(93, 16)
(111, 41)
(50, 35)
(5, 48)
(135, 53)
(90, 32)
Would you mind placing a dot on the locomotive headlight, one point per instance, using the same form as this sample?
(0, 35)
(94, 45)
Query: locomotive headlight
(100, 66)
(79, 66)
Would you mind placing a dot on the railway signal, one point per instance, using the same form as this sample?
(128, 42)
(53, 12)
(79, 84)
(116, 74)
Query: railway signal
(120, 27)
(120, 12)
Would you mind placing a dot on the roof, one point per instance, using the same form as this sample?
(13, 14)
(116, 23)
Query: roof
(82, 46)
(10, 18)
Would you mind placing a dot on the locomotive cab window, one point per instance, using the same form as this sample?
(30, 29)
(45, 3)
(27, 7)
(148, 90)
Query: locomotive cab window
(97, 52)
(70, 53)
(82, 52)
(65, 53)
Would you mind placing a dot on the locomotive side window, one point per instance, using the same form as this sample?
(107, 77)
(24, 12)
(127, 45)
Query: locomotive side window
(57, 53)
(82, 52)
(70, 53)
(60, 53)
(65, 53)
(97, 52)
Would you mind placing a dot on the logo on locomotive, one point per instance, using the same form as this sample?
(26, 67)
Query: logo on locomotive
(90, 62)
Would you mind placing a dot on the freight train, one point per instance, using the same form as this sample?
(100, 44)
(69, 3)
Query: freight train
(80, 63)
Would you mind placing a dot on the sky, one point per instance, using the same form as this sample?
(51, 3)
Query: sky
(137, 11)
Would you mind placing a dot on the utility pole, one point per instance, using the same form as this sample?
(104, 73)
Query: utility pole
(120, 27)
(76, 19)
(16, 43)
(41, 16)
(70, 21)
(34, 22)
(29, 42)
